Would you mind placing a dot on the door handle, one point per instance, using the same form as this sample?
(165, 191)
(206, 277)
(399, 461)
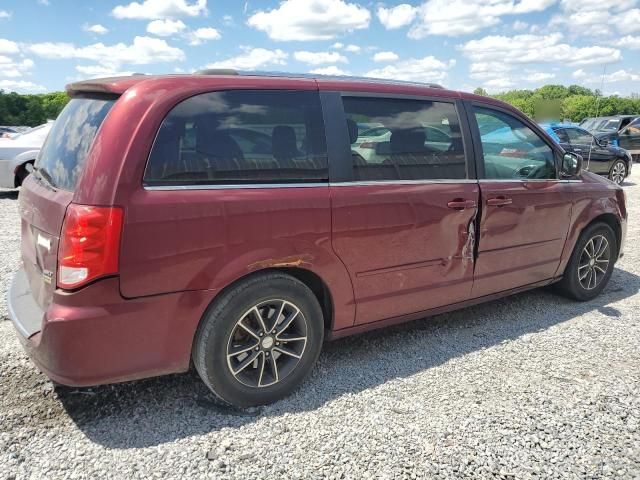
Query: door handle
(461, 204)
(499, 201)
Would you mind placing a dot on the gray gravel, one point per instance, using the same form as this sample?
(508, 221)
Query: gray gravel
(533, 386)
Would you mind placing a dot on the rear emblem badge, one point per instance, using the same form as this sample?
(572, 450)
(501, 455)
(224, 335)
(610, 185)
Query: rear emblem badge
(47, 276)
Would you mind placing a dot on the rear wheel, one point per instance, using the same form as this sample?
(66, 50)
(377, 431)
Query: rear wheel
(591, 263)
(618, 172)
(259, 340)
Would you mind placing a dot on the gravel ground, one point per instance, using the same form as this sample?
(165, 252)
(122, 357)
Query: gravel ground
(533, 386)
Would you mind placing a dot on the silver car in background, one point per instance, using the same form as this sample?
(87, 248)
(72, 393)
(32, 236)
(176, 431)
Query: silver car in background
(16, 152)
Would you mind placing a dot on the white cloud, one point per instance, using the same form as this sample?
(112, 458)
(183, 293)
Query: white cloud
(143, 51)
(353, 48)
(596, 78)
(310, 19)
(630, 42)
(318, 58)
(98, 71)
(252, 59)
(20, 86)
(427, 69)
(8, 47)
(459, 17)
(10, 68)
(330, 70)
(4, 14)
(522, 49)
(579, 74)
(46, 3)
(227, 20)
(165, 28)
(337, 45)
(629, 22)
(538, 77)
(498, 84)
(157, 9)
(385, 57)
(398, 16)
(592, 17)
(96, 29)
(201, 35)
(519, 25)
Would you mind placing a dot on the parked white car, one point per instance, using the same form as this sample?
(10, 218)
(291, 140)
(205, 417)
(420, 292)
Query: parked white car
(17, 151)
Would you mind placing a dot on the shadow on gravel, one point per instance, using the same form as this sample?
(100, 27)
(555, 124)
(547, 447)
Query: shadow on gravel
(9, 194)
(160, 410)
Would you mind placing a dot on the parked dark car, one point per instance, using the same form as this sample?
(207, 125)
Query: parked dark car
(599, 156)
(179, 239)
(621, 131)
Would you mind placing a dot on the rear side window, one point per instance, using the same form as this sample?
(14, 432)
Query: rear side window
(404, 139)
(64, 153)
(241, 137)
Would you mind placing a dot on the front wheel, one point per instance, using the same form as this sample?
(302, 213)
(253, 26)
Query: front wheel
(259, 340)
(591, 263)
(618, 172)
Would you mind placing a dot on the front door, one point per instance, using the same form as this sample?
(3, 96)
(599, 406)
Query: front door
(525, 209)
(596, 158)
(403, 221)
(630, 137)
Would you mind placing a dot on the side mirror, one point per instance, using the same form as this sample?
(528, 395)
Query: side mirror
(571, 165)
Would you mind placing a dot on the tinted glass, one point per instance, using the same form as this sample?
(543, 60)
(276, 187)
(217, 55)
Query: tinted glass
(561, 133)
(64, 153)
(241, 137)
(415, 139)
(578, 136)
(511, 150)
(633, 128)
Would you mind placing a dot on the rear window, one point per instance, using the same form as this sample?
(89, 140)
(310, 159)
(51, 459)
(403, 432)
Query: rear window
(64, 153)
(240, 137)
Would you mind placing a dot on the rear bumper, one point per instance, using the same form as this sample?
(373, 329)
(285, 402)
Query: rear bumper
(94, 336)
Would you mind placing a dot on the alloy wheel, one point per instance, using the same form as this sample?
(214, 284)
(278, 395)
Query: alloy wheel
(267, 343)
(618, 172)
(594, 262)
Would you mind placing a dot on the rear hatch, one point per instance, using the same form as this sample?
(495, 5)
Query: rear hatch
(44, 197)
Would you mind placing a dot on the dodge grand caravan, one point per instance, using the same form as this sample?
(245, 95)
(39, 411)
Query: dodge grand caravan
(226, 220)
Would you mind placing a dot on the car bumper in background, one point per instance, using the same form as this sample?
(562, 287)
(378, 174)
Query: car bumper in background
(94, 336)
(7, 175)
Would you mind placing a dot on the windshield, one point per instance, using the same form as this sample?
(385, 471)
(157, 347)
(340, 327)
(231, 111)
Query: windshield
(64, 153)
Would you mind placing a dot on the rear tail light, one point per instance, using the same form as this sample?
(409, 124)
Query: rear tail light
(89, 244)
(368, 145)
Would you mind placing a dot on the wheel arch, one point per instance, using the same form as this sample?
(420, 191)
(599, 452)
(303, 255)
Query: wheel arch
(311, 279)
(611, 220)
(19, 168)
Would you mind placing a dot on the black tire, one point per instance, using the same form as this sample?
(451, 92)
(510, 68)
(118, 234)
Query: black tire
(570, 285)
(618, 172)
(219, 328)
(21, 174)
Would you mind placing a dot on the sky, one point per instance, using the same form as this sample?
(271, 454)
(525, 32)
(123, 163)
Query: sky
(462, 44)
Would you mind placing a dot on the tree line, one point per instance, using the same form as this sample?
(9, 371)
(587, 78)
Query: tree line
(549, 102)
(30, 110)
(574, 102)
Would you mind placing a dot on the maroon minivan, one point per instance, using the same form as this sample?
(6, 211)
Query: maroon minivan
(237, 220)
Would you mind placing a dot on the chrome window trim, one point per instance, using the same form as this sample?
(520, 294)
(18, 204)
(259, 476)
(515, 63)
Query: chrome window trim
(532, 180)
(357, 183)
(233, 186)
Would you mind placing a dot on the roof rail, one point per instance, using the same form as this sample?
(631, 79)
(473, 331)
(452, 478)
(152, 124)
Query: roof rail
(231, 71)
(217, 71)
